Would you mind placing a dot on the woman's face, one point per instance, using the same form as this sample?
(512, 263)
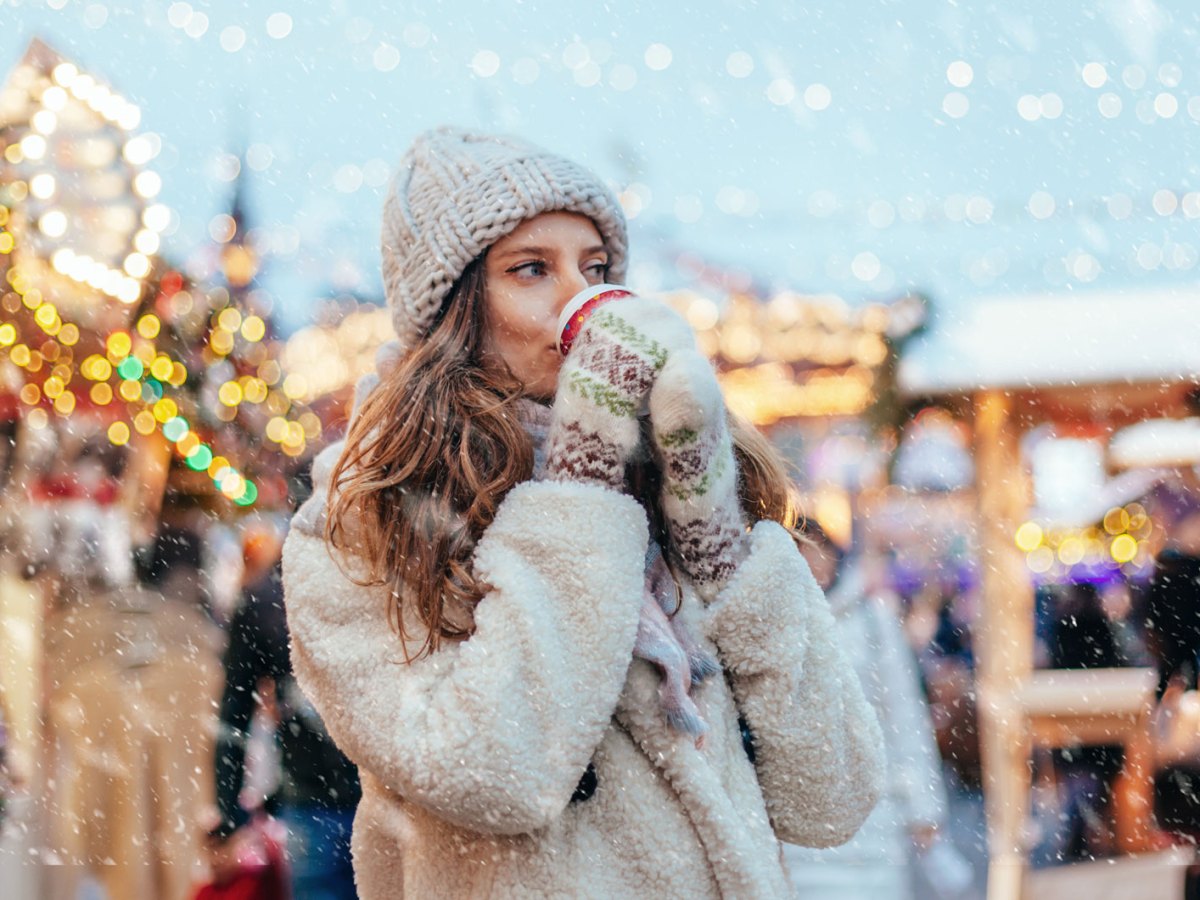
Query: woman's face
(531, 273)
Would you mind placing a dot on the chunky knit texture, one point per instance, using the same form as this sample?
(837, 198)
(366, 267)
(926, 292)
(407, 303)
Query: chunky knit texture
(456, 193)
(604, 385)
(699, 497)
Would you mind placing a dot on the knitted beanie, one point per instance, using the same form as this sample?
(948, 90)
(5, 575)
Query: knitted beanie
(458, 192)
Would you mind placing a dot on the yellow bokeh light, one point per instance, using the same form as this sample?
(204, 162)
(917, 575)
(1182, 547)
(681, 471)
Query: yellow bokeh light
(1116, 520)
(101, 394)
(1123, 548)
(1070, 551)
(1040, 560)
(68, 335)
(144, 422)
(1029, 536)
(6, 243)
(254, 389)
(270, 372)
(218, 464)
(230, 318)
(277, 429)
(221, 341)
(130, 391)
(118, 434)
(295, 386)
(31, 394)
(162, 367)
(46, 315)
(119, 344)
(148, 326)
(20, 355)
(230, 393)
(52, 387)
(178, 374)
(96, 368)
(65, 404)
(165, 410)
(254, 328)
(8, 334)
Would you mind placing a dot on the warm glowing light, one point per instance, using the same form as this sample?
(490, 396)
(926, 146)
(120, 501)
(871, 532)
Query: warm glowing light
(230, 393)
(230, 318)
(1070, 551)
(147, 242)
(119, 344)
(137, 265)
(44, 121)
(33, 146)
(165, 410)
(68, 335)
(8, 334)
(144, 422)
(53, 223)
(217, 467)
(1040, 560)
(295, 386)
(277, 429)
(1029, 536)
(118, 434)
(162, 367)
(130, 391)
(187, 443)
(148, 326)
(31, 394)
(42, 186)
(221, 341)
(1123, 548)
(254, 328)
(1116, 521)
(178, 374)
(65, 404)
(101, 394)
(147, 184)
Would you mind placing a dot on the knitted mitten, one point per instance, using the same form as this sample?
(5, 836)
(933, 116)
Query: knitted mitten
(699, 496)
(603, 386)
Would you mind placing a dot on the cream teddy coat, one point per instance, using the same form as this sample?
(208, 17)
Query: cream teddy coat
(469, 757)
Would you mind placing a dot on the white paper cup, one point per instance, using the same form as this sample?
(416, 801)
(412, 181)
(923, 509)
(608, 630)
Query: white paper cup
(579, 307)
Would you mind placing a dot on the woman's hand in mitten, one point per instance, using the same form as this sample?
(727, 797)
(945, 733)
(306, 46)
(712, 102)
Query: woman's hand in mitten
(603, 386)
(699, 495)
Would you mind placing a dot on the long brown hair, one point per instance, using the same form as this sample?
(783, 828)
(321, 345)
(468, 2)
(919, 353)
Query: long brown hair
(432, 453)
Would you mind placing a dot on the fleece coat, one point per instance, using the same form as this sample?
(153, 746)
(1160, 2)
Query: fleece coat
(470, 757)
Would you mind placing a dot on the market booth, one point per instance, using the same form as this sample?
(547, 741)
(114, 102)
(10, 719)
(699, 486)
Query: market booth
(1088, 366)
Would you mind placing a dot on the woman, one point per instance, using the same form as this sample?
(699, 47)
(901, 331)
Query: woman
(878, 862)
(467, 631)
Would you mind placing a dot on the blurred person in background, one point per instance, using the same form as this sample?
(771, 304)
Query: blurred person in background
(1083, 637)
(878, 862)
(319, 790)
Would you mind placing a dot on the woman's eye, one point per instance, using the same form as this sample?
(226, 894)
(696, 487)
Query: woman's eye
(533, 269)
(600, 269)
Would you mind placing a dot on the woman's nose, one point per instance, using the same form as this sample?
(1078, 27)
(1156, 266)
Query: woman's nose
(570, 285)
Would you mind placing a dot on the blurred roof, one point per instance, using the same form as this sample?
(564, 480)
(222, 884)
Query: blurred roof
(1050, 340)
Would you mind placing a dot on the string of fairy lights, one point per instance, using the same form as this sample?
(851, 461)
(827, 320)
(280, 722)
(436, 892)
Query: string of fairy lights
(149, 373)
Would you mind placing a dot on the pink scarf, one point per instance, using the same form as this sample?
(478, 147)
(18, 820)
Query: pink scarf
(662, 639)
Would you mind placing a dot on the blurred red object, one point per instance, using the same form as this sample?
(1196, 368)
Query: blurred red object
(250, 865)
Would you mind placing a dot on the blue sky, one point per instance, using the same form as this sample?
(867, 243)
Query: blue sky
(868, 148)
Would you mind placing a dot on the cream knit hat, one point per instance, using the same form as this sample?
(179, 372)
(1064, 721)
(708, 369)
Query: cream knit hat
(457, 192)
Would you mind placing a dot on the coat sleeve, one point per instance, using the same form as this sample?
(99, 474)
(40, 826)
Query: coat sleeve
(492, 733)
(818, 746)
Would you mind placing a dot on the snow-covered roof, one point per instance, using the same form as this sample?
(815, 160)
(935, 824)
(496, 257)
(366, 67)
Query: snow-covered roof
(1057, 339)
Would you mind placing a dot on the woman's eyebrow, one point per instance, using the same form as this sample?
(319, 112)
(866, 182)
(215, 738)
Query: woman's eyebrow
(534, 250)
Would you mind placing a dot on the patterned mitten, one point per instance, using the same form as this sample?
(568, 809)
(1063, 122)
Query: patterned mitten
(699, 496)
(603, 386)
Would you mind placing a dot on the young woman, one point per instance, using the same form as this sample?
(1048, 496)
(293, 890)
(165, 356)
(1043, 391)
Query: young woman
(465, 588)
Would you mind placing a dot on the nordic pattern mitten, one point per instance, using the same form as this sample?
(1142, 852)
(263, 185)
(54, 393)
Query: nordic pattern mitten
(699, 494)
(603, 386)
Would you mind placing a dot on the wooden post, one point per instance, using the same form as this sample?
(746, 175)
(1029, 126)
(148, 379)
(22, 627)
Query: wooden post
(1004, 638)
